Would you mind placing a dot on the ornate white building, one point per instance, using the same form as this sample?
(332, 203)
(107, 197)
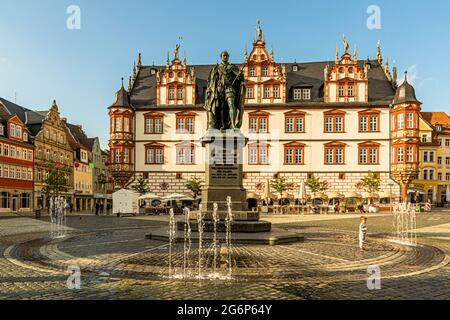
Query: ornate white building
(330, 119)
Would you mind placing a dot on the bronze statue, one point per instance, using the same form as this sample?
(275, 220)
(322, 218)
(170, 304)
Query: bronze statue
(224, 101)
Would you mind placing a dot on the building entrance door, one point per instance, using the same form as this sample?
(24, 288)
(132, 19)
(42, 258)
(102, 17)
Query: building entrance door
(14, 203)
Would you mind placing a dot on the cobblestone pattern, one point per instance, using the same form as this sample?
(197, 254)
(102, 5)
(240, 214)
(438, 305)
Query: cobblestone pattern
(326, 266)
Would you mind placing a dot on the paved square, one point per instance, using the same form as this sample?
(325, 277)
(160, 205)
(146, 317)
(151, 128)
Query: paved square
(117, 262)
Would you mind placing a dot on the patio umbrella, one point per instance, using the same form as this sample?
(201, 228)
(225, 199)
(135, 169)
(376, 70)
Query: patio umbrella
(447, 194)
(149, 196)
(434, 196)
(175, 196)
(267, 195)
(302, 191)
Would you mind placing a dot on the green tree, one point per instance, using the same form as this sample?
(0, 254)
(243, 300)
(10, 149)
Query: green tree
(370, 183)
(195, 186)
(55, 183)
(315, 185)
(141, 186)
(281, 185)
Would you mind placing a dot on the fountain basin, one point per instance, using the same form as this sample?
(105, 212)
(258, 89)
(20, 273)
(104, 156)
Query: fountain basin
(273, 237)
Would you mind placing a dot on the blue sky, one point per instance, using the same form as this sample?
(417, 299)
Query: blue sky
(41, 59)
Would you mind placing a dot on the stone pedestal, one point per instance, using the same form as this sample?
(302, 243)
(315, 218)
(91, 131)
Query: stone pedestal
(224, 174)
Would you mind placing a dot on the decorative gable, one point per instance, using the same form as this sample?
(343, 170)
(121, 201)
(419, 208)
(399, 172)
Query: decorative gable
(345, 81)
(266, 81)
(176, 84)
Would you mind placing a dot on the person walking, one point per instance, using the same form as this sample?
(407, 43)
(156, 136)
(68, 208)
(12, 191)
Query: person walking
(362, 232)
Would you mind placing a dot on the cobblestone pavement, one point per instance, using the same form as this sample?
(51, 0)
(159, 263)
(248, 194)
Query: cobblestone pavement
(117, 262)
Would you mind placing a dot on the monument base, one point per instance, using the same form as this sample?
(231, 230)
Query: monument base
(236, 226)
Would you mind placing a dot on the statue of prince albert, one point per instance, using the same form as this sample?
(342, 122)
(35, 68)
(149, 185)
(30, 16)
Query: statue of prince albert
(224, 101)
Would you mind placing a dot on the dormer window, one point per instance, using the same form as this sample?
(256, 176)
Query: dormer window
(265, 72)
(25, 137)
(301, 94)
(12, 130)
(2, 130)
(306, 94)
(438, 127)
(251, 72)
(18, 132)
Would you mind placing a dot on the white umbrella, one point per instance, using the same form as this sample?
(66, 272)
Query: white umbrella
(175, 196)
(149, 196)
(447, 194)
(267, 195)
(302, 191)
(434, 196)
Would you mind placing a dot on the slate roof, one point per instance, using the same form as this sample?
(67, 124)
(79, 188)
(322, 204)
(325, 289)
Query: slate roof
(405, 93)
(79, 136)
(32, 119)
(143, 93)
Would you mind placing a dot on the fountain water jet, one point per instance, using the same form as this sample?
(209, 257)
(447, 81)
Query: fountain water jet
(405, 223)
(187, 242)
(57, 210)
(171, 238)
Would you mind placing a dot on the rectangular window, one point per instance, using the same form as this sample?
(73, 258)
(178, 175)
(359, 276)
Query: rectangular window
(425, 174)
(363, 156)
(149, 125)
(447, 176)
(251, 72)
(180, 94)
(288, 156)
(338, 124)
(266, 92)
(440, 142)
(440, 176)
(328, 124)
(439, 160)
(126, 124)
(400, 121)
(373, 123)
(118, 157)
(400, 154)
(126, 155)
(431, 156)
(297, 93)
(350, 90)
(185, 124)
(171, 94)
(447, 161)
(290, 124)
(258, 154)
(306, 94)
(265, 72)
(118, 125)
(409, 120)
(329, 156)
(12, 130)
(250, 92)
(410, 154)
(363, 124)
(276, 92)
(258, 124)
(424, 138)
(253, 125)
(185, 154)
(341, 91)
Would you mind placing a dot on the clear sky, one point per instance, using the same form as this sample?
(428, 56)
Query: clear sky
(41, 59)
